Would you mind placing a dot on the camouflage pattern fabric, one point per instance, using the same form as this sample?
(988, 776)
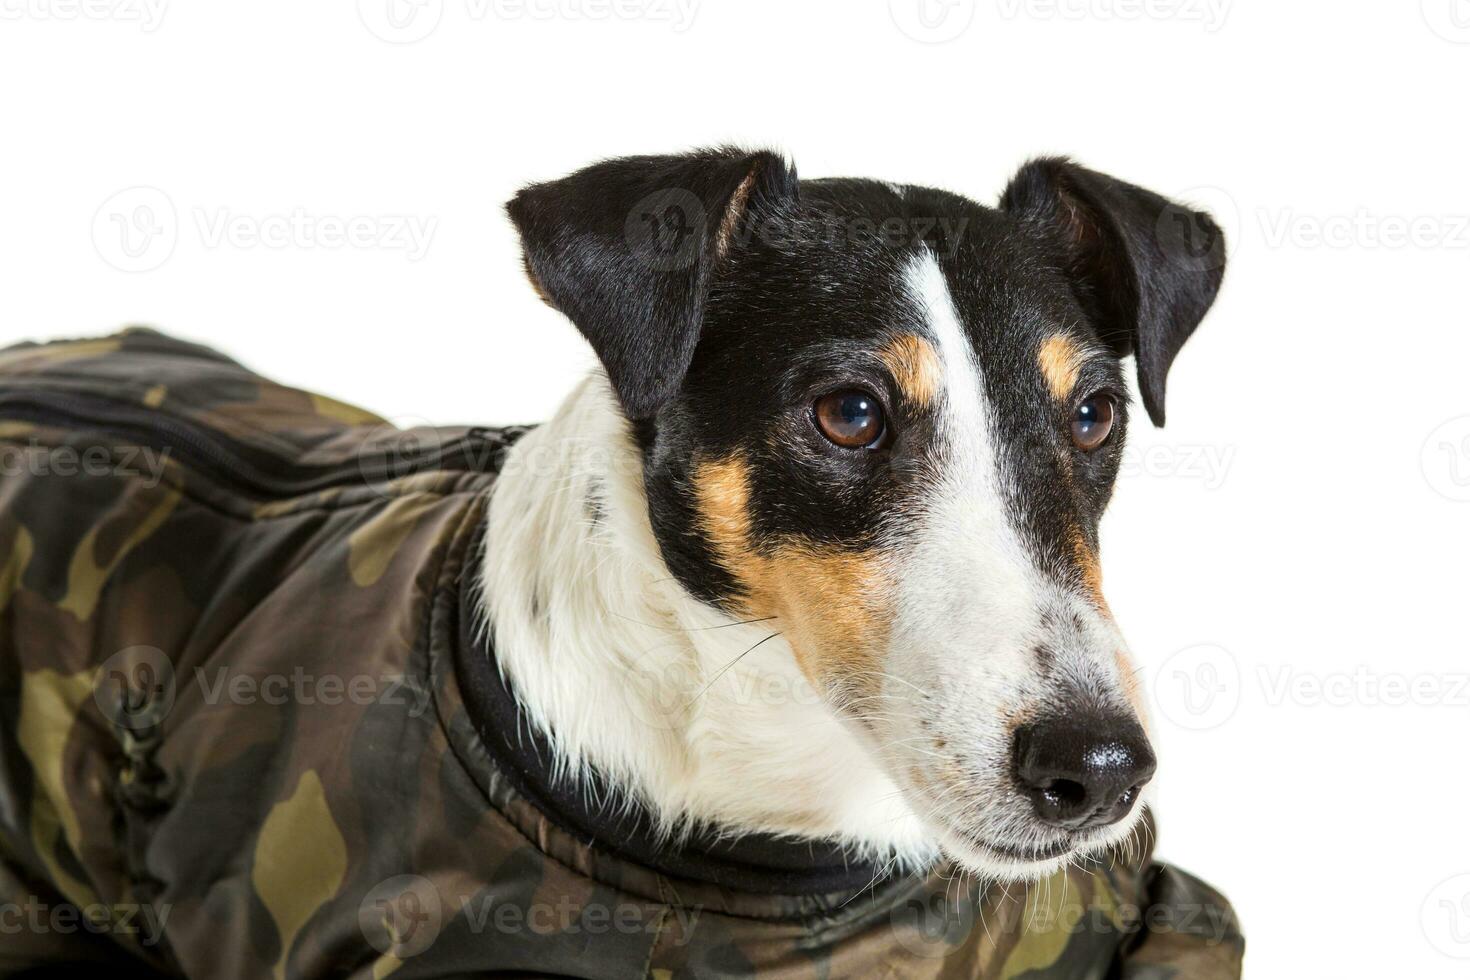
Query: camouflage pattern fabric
(233, 744)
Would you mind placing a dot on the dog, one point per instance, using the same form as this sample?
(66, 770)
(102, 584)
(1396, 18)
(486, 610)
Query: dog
(876, 428)
(780, 648)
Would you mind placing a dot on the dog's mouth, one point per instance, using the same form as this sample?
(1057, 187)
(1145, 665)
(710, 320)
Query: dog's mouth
(1013, 861)
(1031, 852)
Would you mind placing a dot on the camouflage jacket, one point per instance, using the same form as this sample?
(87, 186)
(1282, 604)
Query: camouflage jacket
(244, 732)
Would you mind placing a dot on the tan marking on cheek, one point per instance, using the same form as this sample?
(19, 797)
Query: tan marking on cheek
(833, 606)
(915, 365)
(722, 495)
(1061, 361)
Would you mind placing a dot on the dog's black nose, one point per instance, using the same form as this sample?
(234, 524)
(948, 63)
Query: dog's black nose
(1084, 772)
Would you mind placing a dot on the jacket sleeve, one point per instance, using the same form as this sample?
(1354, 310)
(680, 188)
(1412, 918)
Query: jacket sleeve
(1187, 931)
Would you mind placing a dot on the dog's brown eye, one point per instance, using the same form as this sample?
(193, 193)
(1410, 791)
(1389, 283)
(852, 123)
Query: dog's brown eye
(1093, 422)
(851, 418)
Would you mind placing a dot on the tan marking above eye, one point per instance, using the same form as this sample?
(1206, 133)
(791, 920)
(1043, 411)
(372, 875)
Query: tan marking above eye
(1060, 358)
(832, 605)
(915, 366)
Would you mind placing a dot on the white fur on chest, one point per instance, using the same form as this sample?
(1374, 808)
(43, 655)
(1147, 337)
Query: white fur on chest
(628, 673)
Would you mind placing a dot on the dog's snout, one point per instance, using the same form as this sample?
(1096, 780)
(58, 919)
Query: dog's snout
(1083, 773)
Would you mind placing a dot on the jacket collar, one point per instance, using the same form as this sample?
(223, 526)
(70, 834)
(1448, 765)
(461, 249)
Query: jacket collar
(590, 808)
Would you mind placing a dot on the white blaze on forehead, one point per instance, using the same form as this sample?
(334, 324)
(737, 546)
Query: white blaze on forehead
(964, 409)
(972, 583)
(973, 596)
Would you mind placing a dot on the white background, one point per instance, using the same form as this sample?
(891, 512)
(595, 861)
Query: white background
(1303, 520)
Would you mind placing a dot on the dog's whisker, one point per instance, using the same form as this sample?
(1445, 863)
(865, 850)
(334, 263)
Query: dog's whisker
(722, 671)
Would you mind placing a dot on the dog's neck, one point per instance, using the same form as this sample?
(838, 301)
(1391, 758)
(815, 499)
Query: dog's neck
(701, 717)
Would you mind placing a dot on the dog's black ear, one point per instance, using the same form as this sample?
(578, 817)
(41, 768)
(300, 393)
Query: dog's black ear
(1144, 268)
(627, 249)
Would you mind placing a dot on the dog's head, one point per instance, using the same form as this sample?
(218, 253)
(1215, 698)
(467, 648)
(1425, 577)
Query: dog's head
(889, 418)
